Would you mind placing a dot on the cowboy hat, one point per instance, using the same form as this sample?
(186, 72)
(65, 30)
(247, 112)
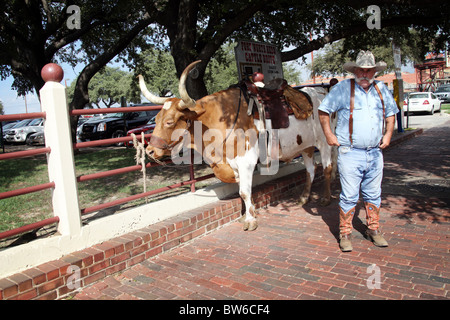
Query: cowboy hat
(365, 60)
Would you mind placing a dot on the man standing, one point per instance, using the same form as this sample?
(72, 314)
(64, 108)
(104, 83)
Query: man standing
(365, 110)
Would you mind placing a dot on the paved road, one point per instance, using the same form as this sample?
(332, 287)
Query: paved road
(294, 253)
(426, 121)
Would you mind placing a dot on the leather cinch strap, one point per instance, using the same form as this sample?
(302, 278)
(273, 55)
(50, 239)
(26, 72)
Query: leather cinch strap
(352, 105)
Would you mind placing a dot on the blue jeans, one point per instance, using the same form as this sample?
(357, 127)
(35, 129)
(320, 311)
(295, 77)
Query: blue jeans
(360, 169)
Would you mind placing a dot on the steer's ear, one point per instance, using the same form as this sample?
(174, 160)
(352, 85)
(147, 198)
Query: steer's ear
(193, 112)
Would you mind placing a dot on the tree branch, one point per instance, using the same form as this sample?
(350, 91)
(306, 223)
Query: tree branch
(81, 94)
(352, 30)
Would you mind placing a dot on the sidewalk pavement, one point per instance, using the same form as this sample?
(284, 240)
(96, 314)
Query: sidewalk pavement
(294, 253)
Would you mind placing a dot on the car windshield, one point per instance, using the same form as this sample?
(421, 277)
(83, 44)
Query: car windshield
(418, 95)
(22, 123)
(9, 125)
(443, 89)
(114, 115)
(152, 120)
(35, 122)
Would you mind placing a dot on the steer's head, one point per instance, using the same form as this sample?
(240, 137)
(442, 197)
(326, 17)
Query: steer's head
(175, 114)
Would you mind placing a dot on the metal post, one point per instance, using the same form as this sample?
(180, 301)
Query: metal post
(191, 171)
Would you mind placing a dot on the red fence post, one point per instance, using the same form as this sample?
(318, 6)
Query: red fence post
(61, 166)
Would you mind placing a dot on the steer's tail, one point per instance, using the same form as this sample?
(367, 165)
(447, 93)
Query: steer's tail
(334, 156)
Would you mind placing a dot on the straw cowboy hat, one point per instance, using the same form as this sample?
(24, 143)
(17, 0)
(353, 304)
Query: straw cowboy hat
(365, 60)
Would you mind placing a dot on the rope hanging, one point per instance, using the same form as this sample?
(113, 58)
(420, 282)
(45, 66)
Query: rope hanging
(140, 158)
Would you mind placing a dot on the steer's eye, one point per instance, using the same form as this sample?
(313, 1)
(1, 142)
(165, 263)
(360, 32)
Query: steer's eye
(169, 123)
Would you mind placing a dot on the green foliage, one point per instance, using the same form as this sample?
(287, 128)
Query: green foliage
(222, 70)
(291, 72)
(109, 86)
(158, 69)
(35, 33)
(413, 48)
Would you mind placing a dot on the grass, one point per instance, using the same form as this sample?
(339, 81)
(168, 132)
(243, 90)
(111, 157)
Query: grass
(446, 107)
(33, 207)
(20, 210)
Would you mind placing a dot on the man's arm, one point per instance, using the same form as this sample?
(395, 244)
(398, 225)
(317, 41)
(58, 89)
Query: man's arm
(324, 119)
(386, 140)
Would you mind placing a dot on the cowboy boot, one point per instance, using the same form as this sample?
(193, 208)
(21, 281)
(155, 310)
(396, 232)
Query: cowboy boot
(345, 229)
(373, 225)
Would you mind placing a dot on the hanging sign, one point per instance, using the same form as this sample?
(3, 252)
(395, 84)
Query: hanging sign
(261, 57)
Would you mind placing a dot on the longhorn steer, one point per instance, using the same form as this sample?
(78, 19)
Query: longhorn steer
(222, 121)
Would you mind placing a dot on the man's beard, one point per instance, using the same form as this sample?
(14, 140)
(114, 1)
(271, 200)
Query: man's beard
(370, 80)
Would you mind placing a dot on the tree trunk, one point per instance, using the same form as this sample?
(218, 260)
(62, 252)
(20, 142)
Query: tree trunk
(181, 29)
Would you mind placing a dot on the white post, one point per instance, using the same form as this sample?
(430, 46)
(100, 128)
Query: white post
(61, 166)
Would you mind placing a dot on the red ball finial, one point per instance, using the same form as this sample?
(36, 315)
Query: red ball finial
(258, 77)
(52, 72)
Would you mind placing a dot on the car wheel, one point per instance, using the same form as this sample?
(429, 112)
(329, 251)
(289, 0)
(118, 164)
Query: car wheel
(28, 140)
(432, 110)
(118, 134)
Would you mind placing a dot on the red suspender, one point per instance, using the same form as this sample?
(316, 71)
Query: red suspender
(352, 105)
(382, 103)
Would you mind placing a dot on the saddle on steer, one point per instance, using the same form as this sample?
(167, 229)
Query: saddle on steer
(276, 101)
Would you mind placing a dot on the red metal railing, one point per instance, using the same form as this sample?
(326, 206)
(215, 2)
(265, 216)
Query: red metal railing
(19, 192)
(22, 191)
(29, 227)
(87, 177)
(23, 154)
(22, 116)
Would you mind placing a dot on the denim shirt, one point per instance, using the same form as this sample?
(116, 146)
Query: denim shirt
(367, 113)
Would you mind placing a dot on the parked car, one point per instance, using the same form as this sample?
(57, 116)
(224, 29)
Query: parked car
(114, 125)
(22, 131)
(405, 99)
(37, 138)
(146, 128)
(443, 93)
(423, 101)
(14, 126)
(8, 124)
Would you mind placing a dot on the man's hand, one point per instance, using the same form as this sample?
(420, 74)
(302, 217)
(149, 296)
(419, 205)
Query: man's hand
(385, 141)
(332, 140)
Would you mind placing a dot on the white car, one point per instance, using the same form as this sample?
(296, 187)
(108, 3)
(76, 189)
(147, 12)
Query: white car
(443, 93)
(20, 135)
(423, 102)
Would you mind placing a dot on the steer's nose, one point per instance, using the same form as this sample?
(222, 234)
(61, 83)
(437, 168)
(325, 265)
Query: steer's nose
(154, 153)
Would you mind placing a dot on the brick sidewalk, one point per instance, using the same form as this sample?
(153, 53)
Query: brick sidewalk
(294, 252)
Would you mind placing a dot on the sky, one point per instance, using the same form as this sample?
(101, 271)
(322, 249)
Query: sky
(14, 104)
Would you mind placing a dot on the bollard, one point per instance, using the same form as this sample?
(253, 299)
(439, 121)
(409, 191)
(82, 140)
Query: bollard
(61, 166)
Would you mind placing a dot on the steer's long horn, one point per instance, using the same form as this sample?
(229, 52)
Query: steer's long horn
(150, 96)
(187, 100)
